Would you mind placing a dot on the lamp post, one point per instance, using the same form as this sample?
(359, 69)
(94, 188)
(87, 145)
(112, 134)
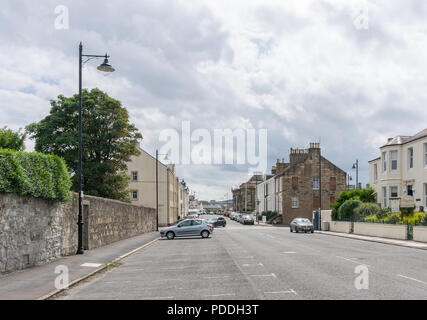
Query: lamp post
(356, 166)
(105, 67)
(349, 178)
(157, 186)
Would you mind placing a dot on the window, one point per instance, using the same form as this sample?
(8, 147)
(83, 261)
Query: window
(294, 202)
(134, 175)
(384, 161)
(316, 183)
(196, 222)
(409, 190)
(410, 158)
(333, 183)
(393, 160)
(134, 195)
(294, 182)
(384, 197)
(375, 172)
(425, 154)
(425, 196)
(393, 192)
(185, 223)
(249, 197)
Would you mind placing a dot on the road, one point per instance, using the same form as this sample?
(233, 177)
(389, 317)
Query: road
(261, 262)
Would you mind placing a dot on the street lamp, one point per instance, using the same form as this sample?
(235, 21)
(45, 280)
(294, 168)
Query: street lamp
(349, 178)
(105, 67)
(356, 166)
(157, 186)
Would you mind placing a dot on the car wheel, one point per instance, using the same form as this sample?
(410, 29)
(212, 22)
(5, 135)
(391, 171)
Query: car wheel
(205, 234)
(312, 231)
(296, 230)
(170, 235)
(290, 228)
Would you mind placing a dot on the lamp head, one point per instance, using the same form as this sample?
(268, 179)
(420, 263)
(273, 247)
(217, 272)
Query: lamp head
(105, 67)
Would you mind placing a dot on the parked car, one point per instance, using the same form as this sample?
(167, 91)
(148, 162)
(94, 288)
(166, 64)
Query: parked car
(301, 224)
(217, 222)
(193, 213)
(239, 217)
(187, 228)
(247, 219)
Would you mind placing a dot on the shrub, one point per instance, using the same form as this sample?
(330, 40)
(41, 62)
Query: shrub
(366, 209)
(34, 174)
(346, 210)
(366, 195)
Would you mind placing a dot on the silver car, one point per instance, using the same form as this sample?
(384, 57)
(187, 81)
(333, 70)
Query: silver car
(301, 224)
(247, 219)
(187, 228)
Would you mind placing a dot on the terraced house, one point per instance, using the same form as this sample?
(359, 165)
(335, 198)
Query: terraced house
(400, 172)
(301, 188)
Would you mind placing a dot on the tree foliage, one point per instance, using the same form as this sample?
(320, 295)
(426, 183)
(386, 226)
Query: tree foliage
(109, 141)
(12, 140)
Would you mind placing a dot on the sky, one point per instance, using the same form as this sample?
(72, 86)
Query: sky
(349, 74)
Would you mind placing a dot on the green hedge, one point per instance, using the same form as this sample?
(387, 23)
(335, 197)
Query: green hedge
(34, 174)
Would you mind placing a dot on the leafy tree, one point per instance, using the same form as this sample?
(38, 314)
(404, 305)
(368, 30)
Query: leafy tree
(12, 140)
(109, 140)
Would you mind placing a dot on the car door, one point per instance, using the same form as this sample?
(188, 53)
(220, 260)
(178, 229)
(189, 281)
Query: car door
(196, 227)
(183, 228)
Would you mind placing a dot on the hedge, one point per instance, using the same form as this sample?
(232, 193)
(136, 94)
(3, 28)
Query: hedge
(34, 174)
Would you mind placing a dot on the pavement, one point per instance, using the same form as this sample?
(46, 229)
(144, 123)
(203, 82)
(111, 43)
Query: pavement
(37, 282)
(403, 243)
(255, 262)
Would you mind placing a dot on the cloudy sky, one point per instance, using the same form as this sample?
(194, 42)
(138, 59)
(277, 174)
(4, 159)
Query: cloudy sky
(347, 73)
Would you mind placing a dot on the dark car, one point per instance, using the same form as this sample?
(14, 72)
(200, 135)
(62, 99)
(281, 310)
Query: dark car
(301, 224)
(217, 222)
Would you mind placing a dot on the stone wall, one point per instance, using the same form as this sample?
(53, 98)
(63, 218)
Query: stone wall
(392, 231)
(35, 231)
(340, 226)
(420, 233)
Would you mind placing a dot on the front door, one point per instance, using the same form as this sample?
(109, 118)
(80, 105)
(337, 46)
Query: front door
(196, 228)
(184, 228)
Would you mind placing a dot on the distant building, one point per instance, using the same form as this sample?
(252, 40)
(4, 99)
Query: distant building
(399, 174)
(142, 172)
(265, 194)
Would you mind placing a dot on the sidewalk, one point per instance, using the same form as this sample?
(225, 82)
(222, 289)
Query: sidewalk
(37, 282)
(403, 243)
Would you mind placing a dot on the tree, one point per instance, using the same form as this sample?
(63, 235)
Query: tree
(12, 140)
(109, 140)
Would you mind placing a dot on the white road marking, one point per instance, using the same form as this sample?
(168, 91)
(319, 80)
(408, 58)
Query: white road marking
(91, 265)
(402, 276)
(218, 277)
(252, 264)
(289, 291)
(286, 252)
(352, 260)
(264, 275)
(220, 295)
